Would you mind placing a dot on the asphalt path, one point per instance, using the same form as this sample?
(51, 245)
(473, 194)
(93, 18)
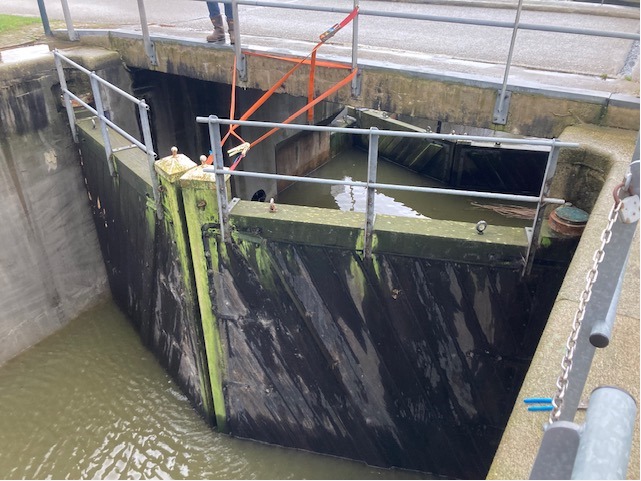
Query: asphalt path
(417, 44)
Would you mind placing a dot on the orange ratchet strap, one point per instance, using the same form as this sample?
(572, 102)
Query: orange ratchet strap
(310, 91)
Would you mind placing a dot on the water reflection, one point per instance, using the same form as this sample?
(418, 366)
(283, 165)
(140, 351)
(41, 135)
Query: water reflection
(352, 164)
(92, 402)
(354, 198)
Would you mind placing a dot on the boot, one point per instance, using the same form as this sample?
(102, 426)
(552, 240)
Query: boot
(230, 27)
(219, 32)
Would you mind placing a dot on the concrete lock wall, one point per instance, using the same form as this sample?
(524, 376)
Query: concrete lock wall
(470, 103)
(51, 267)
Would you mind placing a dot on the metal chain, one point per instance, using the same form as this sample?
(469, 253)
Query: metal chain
(566, 363)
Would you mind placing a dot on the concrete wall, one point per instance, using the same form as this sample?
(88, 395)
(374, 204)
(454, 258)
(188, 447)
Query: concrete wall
(468, 103)
(50, 264)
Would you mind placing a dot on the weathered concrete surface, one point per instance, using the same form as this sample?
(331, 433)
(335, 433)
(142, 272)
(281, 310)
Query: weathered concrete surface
(616, 365)
(542, 114)
(51, 268)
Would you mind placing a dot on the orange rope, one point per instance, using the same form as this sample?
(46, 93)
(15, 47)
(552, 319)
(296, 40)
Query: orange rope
(323, 96)
(311, 101)
(306, 60)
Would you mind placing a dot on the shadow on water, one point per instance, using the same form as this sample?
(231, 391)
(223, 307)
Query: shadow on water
(92, 402)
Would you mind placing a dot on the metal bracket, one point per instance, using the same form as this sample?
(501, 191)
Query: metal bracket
(501, 111)
(357, 82)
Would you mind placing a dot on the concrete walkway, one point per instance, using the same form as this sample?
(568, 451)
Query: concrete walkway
(616, 365)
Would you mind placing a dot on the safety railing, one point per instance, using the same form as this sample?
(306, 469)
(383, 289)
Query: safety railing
(371, 184)
(503, 95)
(600, 449)
(104, 121)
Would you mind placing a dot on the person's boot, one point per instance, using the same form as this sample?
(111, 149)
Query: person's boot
(218, 34)
(230, 27)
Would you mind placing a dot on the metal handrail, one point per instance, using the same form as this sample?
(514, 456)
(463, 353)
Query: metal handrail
(502, 101)
(143, 109)
(438, 18)
(373, 133)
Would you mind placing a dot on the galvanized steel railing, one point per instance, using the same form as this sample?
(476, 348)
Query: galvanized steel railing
(503, 96)
(104, 121)
(371, 184)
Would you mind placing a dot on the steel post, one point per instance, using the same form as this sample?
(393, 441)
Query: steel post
(73, 36)
(150, 49)
(557, 451)
(241, 60)
(550, 169)
(356, 81)
(372, 164)
(44, 18)
(606, 440)
(602, 329)
(221, 188)
(65, 94)
(95, 88)
(500, 112)
(143, 108)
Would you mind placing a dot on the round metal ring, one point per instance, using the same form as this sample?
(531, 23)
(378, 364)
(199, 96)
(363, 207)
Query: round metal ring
(481, 226)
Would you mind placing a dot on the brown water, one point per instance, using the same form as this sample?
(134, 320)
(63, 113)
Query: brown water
(92, 402)
(352, 164)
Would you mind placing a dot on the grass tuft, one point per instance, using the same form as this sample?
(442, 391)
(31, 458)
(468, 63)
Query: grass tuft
(15, 22)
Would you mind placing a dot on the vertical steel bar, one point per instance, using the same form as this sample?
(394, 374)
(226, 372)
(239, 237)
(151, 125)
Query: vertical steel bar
(509, 56)
(44, 18)
(73, 36)
(606, 441)
(149, 46)
(221, 188)
(95, 88)
(241, 61)
(356, 81)
(372, 164)
(550, 169)
(143, 108)
(65, 94)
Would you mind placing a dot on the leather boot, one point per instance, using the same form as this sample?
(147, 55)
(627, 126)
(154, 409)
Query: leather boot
(219, 32)
(230, 27)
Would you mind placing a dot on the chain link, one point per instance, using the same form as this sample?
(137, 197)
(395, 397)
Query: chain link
(591, 277)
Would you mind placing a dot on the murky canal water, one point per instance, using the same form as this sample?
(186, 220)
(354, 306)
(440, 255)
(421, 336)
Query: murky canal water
(352, 164)
(92, 402)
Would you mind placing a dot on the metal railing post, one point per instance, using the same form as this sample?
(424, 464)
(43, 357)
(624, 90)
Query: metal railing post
(221, 188)
(372, 164)
(95, 88)
(550, 169)
(73, 36)
(241, 60)
(606, 440)
(501, 108)
(143, 108)
(150, 49)
(65, 95)
(44, 18)
(356, 81)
